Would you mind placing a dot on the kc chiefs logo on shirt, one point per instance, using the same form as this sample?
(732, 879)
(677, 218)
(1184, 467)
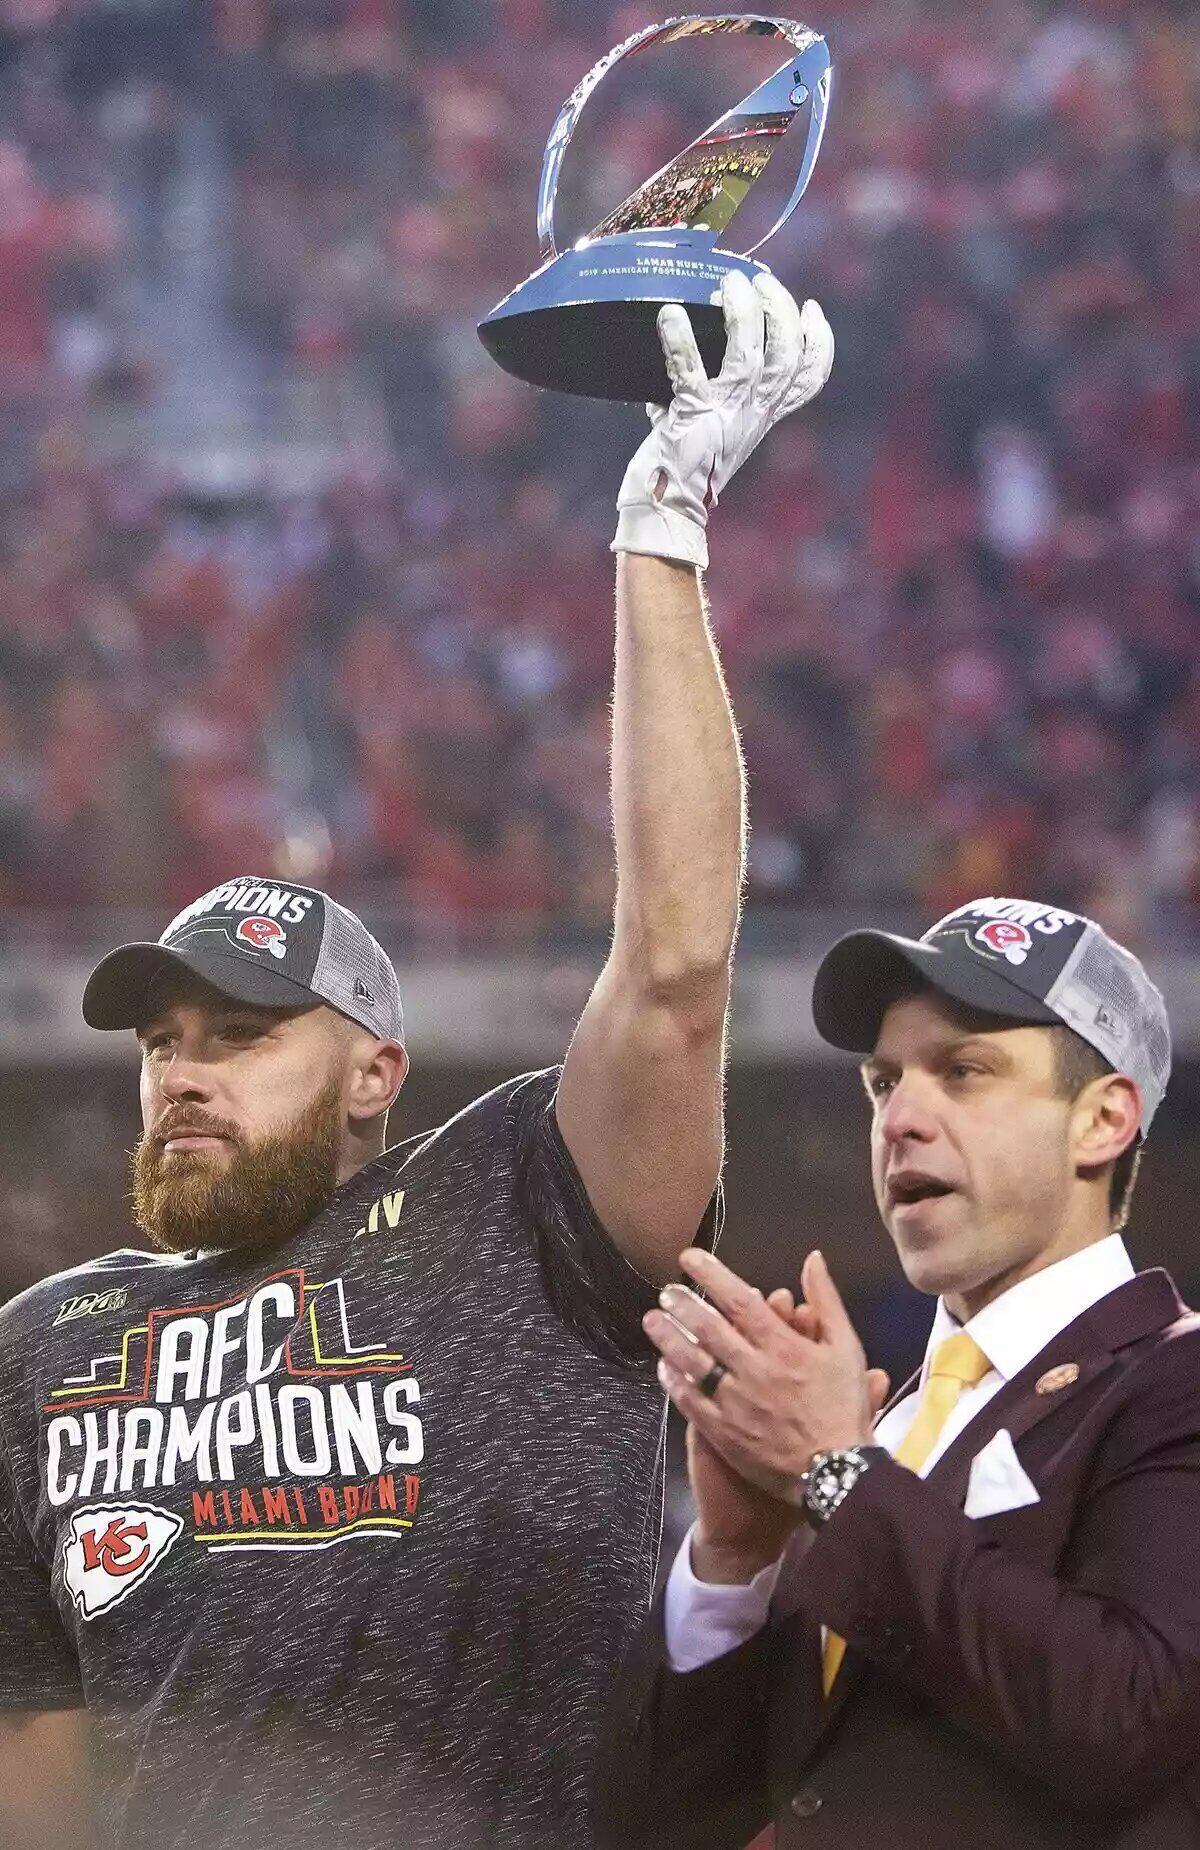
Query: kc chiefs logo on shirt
(110, 1548)
(114, 1549)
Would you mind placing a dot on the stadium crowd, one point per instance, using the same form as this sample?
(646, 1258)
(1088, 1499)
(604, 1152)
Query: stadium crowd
(959, 599)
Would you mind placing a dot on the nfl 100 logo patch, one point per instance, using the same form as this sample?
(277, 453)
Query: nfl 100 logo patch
(91, 1304)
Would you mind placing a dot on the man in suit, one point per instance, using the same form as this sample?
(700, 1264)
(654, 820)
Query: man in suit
(974, 1621)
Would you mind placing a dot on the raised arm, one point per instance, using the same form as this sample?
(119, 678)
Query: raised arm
(640, 1101)
(641, 1096)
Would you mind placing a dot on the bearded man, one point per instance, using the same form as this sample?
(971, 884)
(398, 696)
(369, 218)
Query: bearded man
(329, 1521)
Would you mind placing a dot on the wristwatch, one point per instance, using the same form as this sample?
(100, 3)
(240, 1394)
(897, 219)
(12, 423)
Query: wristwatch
(832, 1475)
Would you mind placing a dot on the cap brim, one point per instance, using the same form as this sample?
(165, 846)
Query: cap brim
(118, 992)
(862, 975)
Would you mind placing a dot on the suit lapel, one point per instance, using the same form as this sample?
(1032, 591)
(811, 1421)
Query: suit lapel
(1019, 1407)
(1140, 1308)
(1091, 1345)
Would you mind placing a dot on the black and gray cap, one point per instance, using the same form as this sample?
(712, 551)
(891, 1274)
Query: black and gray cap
(1010, 957)
(258, 941)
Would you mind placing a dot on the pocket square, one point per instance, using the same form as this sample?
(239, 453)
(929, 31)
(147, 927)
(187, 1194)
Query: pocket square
(998, 1481)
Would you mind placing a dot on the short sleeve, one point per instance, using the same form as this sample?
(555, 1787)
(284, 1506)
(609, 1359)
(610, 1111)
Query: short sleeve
(38, 1666)
(589, 1281)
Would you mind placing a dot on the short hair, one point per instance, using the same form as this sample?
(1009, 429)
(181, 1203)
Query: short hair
(1077, 1063)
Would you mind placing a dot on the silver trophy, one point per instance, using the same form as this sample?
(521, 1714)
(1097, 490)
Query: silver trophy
(585, 321)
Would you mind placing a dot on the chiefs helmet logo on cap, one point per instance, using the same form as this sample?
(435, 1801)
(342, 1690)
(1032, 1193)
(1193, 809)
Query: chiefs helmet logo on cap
(1012, 942)
(264, 935)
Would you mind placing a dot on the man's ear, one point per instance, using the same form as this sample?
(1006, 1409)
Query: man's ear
(376, 1079)
(1107, 1119)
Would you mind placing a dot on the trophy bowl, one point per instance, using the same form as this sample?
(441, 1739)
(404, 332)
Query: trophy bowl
(585, 322)
(570, 337)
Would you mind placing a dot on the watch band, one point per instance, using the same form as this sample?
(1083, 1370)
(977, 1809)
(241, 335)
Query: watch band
(832, 1475)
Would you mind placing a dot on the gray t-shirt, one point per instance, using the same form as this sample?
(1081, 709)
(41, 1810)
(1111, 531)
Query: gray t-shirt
(341, 1543)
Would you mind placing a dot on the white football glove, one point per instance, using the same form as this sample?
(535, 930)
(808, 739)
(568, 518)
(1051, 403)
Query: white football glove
(777, 357)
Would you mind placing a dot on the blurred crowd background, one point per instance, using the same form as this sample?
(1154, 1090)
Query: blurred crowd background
(293, 578)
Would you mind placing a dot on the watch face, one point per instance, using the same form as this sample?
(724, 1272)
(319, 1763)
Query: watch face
(831, 1475)
(830, 1478)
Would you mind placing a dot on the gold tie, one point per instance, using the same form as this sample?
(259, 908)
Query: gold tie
(957, 1363)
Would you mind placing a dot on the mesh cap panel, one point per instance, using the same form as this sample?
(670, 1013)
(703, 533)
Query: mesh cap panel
(1105, 995)
(354, 974)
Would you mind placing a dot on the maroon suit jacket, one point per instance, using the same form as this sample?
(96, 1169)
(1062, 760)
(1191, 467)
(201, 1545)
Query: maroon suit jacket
(1024, 1681)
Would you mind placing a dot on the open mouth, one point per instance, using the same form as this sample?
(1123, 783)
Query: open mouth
(907, 1192)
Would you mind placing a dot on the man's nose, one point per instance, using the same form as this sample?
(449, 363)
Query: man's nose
(908, 1111)
(183, 1078)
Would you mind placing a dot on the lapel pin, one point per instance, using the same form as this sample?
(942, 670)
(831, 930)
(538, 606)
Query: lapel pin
(1056, 1378)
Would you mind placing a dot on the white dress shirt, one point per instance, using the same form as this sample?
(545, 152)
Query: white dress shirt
(704, 1621)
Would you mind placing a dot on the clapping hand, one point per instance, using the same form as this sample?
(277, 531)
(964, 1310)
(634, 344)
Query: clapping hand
(795, 1382)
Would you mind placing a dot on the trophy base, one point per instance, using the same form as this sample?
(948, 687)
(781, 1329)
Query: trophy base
(586, 323)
